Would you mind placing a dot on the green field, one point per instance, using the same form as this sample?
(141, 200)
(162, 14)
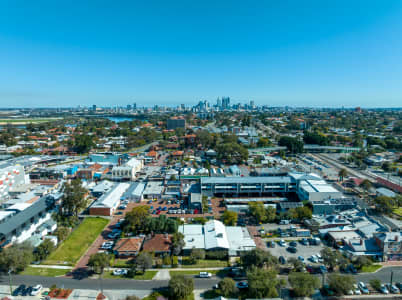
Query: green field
(204, 263)
(148, 275)
(370, 269)
(48, 272)
(71, 250)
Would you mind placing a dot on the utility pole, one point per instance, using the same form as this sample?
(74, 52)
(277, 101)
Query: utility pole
(392, 275)
(9, 279)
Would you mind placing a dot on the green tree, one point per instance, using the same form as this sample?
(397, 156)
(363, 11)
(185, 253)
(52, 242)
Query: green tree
(177, 243)
(44, 249)
(136, 219)
(227, 287)
(342, 174)
(300, 213)
(257, 211)
(303, 284)
(16, 258)
(99, 261)
(341, 284)
(196, 254)
(263, 142)
(144, 261)
(262, 283)
(231, 153)
(270, 213)
(83, 143)
(293, 145)
(229, 218)
(375, 284)
(297, 264)
(73, 200)
(258, 258)
(330, 257)
(180, 287)
(384, 204)
(366, 184)
(62, 233)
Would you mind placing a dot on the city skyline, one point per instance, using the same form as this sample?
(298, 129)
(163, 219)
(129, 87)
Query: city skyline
(309, 54)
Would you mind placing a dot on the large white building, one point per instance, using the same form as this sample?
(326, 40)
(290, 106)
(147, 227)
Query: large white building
(215, 236)
(108, 203)
(128, 170)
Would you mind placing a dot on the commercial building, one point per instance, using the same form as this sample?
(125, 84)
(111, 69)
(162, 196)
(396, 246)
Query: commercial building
(391, 245)
(134, 192)
(215, 236)
(11, 176)
(21, 221)
(107, 203)
(128, 170)
(153, 190)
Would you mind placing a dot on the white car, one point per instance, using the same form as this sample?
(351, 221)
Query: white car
(205, 275)
(363, 288)
(356, 290)
(119, 272)
(314, 258)
(384, 289)
(36, 290)
(107, 245)
(282, 243)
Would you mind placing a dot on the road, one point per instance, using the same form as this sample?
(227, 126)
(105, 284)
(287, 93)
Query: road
(383, 274)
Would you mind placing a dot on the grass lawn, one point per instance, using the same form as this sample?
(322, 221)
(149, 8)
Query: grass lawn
(398, 211)
(48, 272)
(220, 273)
(370, 269)
(70, 251)
(204, 263)
(120, 263)
(148, 275)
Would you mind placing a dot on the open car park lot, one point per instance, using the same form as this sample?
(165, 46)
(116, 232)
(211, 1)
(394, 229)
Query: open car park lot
(302, 250)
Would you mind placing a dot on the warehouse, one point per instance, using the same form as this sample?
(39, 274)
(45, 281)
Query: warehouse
(107, 203)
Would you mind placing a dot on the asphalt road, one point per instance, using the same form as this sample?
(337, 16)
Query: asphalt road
(121, 284)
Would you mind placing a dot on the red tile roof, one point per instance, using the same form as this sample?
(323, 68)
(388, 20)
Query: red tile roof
(158, 243)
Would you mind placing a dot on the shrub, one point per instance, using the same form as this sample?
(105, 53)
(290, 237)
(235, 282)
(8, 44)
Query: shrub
(375, 284)
(175, 261)
(167, 261)
(221, 255)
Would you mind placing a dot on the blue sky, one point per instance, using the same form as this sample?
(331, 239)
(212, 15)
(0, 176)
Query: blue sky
(297, 53)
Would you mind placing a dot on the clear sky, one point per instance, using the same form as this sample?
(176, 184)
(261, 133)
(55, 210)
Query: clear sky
(297, 53)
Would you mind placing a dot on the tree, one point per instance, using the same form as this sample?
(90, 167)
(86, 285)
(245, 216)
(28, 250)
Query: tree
(232, 153)
(341, 284)
(257, 211)
(384, 204)
(263, 142)
(44, 249)
(227, 287)
(270, 213)
(83, 143)
(363, 261)
(99, 261)
(180, 287)
(177, 243)
(303, 284)
(342, 174)
(375, 284)
(136, 219)
(229, 218)
(62, 233)
(144, 261)
(258, 258)
(297, 264)
(293, 145)
(16, 258)
(262, 283)
(366, 184)
(300, 213)
(196, 254)
(330, 257)
(73, 200)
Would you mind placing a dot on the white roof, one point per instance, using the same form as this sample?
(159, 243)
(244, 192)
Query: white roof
(215, 235)
(239, 238)
(193, 236)
(133, 162)
(19, 206)
(112, 198)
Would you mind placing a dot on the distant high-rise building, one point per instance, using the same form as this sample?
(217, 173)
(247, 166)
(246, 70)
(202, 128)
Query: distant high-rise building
(134, 106)
(128, 106)
(251, 104)
(182, 106)
(219, 103)
(94, 107)
(225, 102)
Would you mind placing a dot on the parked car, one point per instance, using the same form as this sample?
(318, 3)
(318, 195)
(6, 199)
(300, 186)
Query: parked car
(393, 289)
(19, 290)
(304, 241)
(120, 272)
(292, 249)
(293, 244)
(242, 285)
(363, 288)
(323, 269)
(271, 244)
(36, 290)
(282, 260)
(356, 290)
(301, 258)
(383, 289)
(313, 259)
(282, 243)
(205, 275)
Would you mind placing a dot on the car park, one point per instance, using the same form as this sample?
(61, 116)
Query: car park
(304, 241)
(363, 288)
(393, 289)
(293, 244)
(205, 275)
(36, 290)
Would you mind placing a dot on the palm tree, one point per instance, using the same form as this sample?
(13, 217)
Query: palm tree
(342, 174)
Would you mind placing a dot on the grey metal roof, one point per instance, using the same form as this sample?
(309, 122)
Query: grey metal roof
(243, 180)
(24, 216)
